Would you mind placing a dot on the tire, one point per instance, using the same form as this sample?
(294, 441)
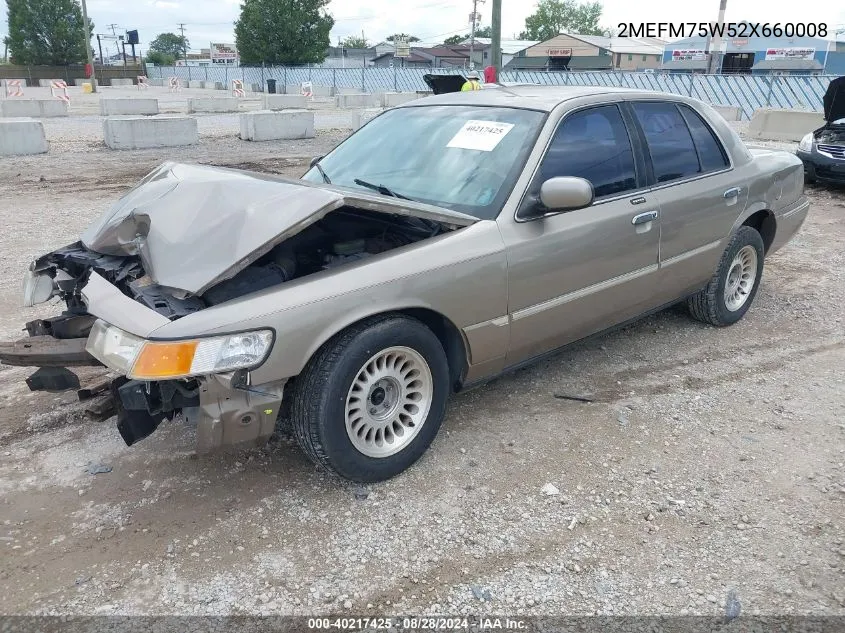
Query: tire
(742, 258)
(390, 373)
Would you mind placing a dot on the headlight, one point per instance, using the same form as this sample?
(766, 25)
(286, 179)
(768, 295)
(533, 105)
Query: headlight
(806, 144)
(37, 288)
(141, 359)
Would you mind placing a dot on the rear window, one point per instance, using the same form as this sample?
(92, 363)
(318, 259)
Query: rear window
(711, 154)
(670, 144)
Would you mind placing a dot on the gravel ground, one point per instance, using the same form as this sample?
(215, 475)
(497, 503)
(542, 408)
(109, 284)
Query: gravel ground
(709, 461)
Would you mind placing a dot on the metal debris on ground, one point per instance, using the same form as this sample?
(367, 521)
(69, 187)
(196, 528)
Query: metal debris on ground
(96, 469)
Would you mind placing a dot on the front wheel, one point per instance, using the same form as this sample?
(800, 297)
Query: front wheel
(372, 399)
(730, 292)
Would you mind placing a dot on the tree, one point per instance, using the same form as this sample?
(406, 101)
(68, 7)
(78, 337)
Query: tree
(160, 59)
(283, 31)
(487, 32)
(168, 45)
(553, 17)
(405, 36)
(354, 41)
(46, 32)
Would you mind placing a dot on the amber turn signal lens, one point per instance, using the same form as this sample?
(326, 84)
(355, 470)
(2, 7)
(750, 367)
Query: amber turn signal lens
(164, 360)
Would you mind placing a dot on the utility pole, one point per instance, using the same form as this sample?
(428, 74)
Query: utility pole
(185, 48)
(496, 43)
(714, 59)
(88, 53)
(473, 21)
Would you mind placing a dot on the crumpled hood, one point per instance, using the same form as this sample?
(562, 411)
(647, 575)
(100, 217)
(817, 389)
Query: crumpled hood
(195, 226)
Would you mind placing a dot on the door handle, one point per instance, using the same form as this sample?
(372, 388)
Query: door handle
(732, 193)
(643, 218)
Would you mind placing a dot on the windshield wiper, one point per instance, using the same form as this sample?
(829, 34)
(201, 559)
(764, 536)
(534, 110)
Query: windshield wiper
(323, 173)
(385, 191)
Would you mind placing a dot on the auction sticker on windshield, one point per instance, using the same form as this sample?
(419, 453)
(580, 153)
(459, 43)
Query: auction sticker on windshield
(480, 135)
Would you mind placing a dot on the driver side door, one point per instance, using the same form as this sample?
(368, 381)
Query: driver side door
(575, 273)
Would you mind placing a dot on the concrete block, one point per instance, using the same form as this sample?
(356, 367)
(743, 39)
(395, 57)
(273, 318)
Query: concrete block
(317, 91)
(38, 108)
(134, 132)
(20, 79)
(129, 105)
(729, 113)
(122, 81)
(212, 85)
(360, 100)
(783, 125)
(22, 136)
(367, 115)
(46, 83)
(347, 91)
(78, 81)
(393, 99)
(284, 102)
(254, 87)
(213, 104)
(193, 83)
(268, 125)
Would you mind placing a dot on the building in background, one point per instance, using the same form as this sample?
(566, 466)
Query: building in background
(442, 56)
(483, 45)
(571, 51)
(760, 55)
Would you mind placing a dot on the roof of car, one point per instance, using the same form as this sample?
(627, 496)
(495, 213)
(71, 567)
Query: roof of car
(533, 97)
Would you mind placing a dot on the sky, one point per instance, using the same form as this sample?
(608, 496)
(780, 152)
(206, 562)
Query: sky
(430, 20)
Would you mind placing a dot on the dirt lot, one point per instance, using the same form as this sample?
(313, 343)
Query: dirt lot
(709, 460)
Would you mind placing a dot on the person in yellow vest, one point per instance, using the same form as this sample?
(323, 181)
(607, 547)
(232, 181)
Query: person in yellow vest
(472, 82)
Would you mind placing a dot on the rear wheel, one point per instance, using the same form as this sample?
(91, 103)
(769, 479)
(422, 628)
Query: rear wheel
(372, 399)
(731, 291)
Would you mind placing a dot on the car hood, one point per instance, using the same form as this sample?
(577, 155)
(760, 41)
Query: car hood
(834, 100)
(195, 226)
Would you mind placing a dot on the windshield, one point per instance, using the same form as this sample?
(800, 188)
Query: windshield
(465, 158)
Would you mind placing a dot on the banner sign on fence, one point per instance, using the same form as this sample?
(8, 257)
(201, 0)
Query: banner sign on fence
(790, 53)
(223, 53)
(688, 54)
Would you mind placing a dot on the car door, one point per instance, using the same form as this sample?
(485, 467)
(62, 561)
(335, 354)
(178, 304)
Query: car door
(699, 194)
(574, 273)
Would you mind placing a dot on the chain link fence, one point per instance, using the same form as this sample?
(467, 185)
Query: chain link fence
(749, 92)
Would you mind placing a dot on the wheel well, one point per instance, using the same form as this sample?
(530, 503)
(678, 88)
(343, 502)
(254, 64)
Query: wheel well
(764, 223)
(450, 337)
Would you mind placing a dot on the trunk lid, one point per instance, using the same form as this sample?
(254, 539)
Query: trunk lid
(195, 226)
(442, 84)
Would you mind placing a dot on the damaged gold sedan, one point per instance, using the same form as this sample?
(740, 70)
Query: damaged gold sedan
(447, 241)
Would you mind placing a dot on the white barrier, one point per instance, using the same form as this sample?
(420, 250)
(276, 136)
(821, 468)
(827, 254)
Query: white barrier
(783, 125)
(237, 88)
(121, 81)
(284, 102)
(316, 91)
(729, 113)
(128, 105)
(367, 115)
(20, 137)
(194, 83)
(393, 99)
(14, 87)
(58, 90)
(266, 125)
(143, 132)
(360, 100)
(213, 104)
(36, 108)
(143, 82)
(212, 85)
(46, 83)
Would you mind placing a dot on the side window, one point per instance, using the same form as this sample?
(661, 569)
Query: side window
(593, 144)
(710, 151)
(669, 141)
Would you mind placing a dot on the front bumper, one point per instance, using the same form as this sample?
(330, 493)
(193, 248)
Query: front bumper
(820, 167)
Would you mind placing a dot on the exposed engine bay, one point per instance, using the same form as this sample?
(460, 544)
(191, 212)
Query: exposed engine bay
(341, 237)
(833, 134)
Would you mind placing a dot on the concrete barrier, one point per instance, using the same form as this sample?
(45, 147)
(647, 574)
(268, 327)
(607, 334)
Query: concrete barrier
(729, 113)
(367, 115)
(19, 137)
(361, 100)
(128, 105)
(783, 125)
(268, 125)
(347, 91)
(284, 102)
(193, 83)
(133, 132)
(213, 104)
(20, 79)
(46, 83)
(212, 85)
(122, 81)
(78, 81)
(317, 91)
(38, 108)
(393, 99)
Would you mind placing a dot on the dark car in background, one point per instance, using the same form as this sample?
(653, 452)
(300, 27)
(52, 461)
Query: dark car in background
(823, 150)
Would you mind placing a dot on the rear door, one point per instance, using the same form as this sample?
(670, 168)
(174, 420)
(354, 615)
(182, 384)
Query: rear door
(574, 273)
(699, 193)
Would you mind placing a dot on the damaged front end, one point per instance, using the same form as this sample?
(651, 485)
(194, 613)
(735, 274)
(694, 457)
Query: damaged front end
(185, 240)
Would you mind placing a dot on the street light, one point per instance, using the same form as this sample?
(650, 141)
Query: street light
(88, 53)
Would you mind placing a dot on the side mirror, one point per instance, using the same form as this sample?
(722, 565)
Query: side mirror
(315, 160)
(566, 193)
